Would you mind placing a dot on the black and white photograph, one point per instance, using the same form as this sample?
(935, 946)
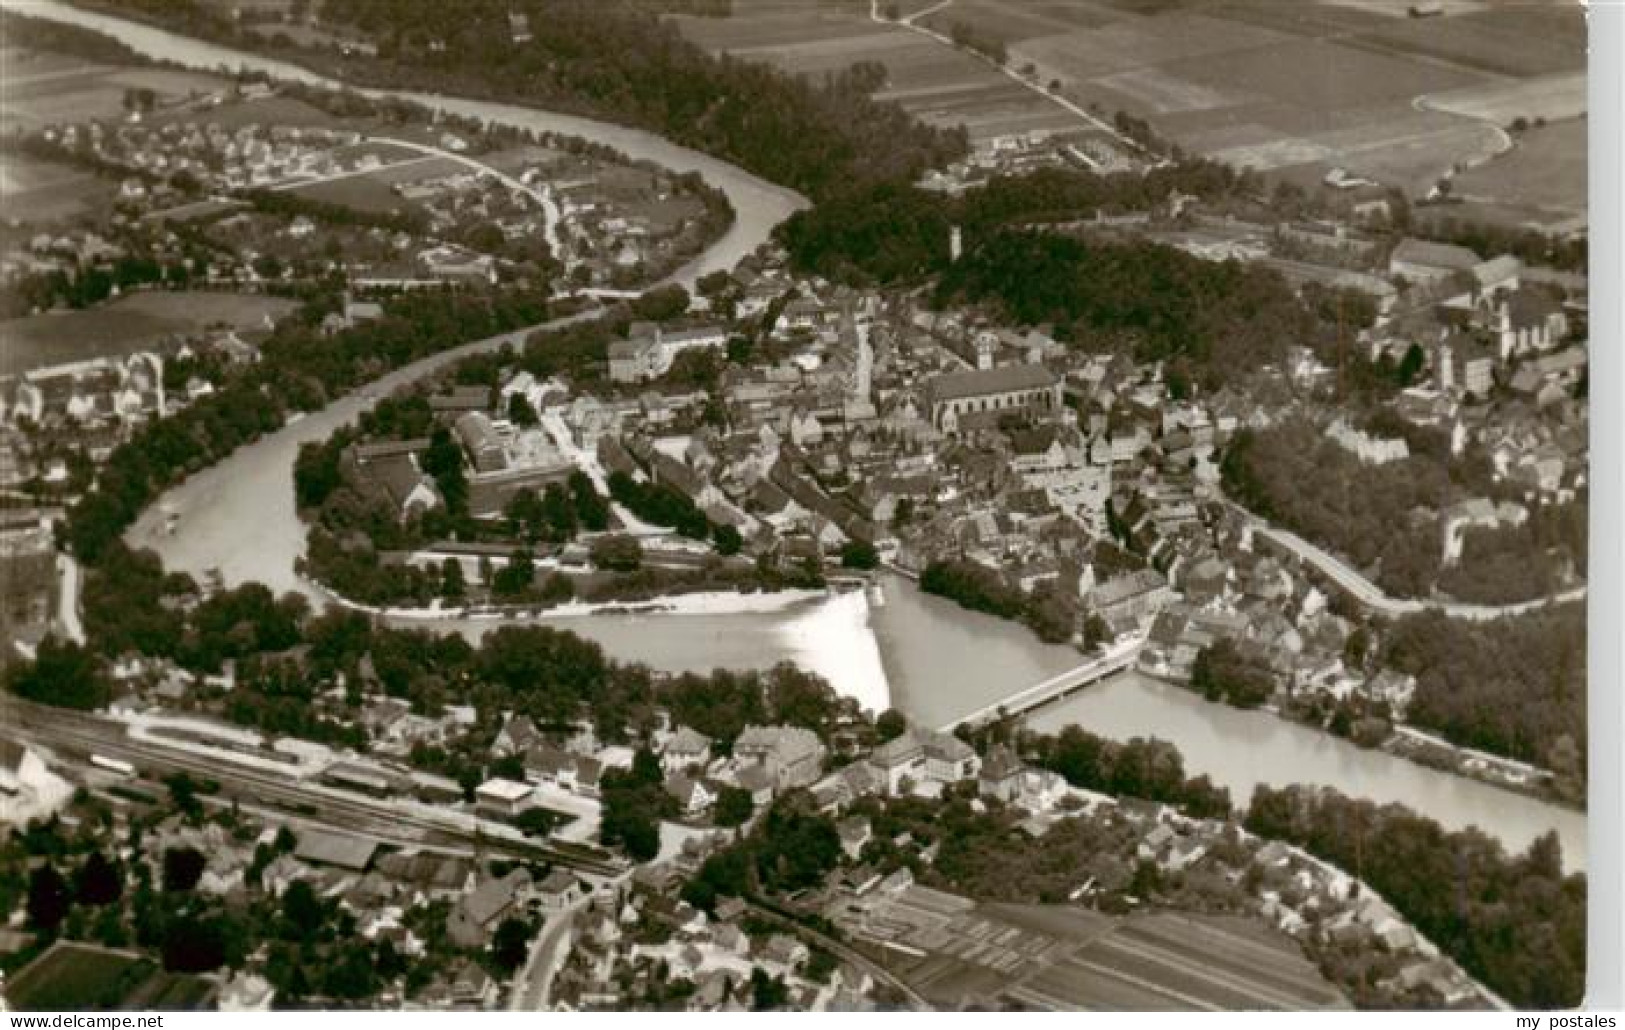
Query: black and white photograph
(809, 506)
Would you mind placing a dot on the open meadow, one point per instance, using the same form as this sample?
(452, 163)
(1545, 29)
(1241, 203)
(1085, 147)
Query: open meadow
(133, 323)
(44, 192)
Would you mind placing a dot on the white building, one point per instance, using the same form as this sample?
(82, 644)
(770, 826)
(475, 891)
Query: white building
(28, 788)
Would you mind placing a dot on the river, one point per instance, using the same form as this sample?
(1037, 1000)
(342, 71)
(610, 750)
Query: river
(930, 658)
(937, 662)
(238, 516)
(943, 662)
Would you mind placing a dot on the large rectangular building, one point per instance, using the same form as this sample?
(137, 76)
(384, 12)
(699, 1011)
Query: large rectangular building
(649, 351)
(1006, 388)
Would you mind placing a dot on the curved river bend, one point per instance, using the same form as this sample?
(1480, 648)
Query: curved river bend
(932, 659)
(238, 516)
(758, 205)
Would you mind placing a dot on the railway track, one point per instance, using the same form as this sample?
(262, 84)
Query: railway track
(339, 810)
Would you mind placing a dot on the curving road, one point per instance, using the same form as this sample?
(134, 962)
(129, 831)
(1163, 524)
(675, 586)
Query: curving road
(1373, 597)
(541, 197)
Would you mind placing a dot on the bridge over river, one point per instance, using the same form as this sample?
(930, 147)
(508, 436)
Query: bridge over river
(1116, 659)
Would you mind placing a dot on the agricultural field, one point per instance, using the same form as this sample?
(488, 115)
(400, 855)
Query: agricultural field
(1293, 89)
(1550, 97)
(1171, 961)
(77, 976)
(1543, 177)
(1517, 40)
(936, 83)
(43, 192)
(1012, 21)
(134, 323)
(39, 89)
(1066, 958)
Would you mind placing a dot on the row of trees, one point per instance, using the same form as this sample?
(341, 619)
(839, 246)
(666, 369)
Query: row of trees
(559, 512)
(1140, 768)
(1515, 686)
(660, 505)
(664, 505)
(1050, 610)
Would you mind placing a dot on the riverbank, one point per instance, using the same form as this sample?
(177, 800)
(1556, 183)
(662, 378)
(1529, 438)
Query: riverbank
(1506, 773)
(1425, 749)
(1243, 749)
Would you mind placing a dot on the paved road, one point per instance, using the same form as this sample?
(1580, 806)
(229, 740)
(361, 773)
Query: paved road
(68, 601)
(541, 197)
(533, 986)
(1373, 597)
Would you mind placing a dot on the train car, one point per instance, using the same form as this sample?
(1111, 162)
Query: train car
(113, 765)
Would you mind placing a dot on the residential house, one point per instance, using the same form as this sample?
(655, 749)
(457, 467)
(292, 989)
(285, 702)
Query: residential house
(559, 890)
(477, 913)
(924, 761)
(693, 796)
(854, 833)
(502, 798)
(517, 735)
(685, 748)
(1133, 596)
(791, 755)
(1000, 775)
